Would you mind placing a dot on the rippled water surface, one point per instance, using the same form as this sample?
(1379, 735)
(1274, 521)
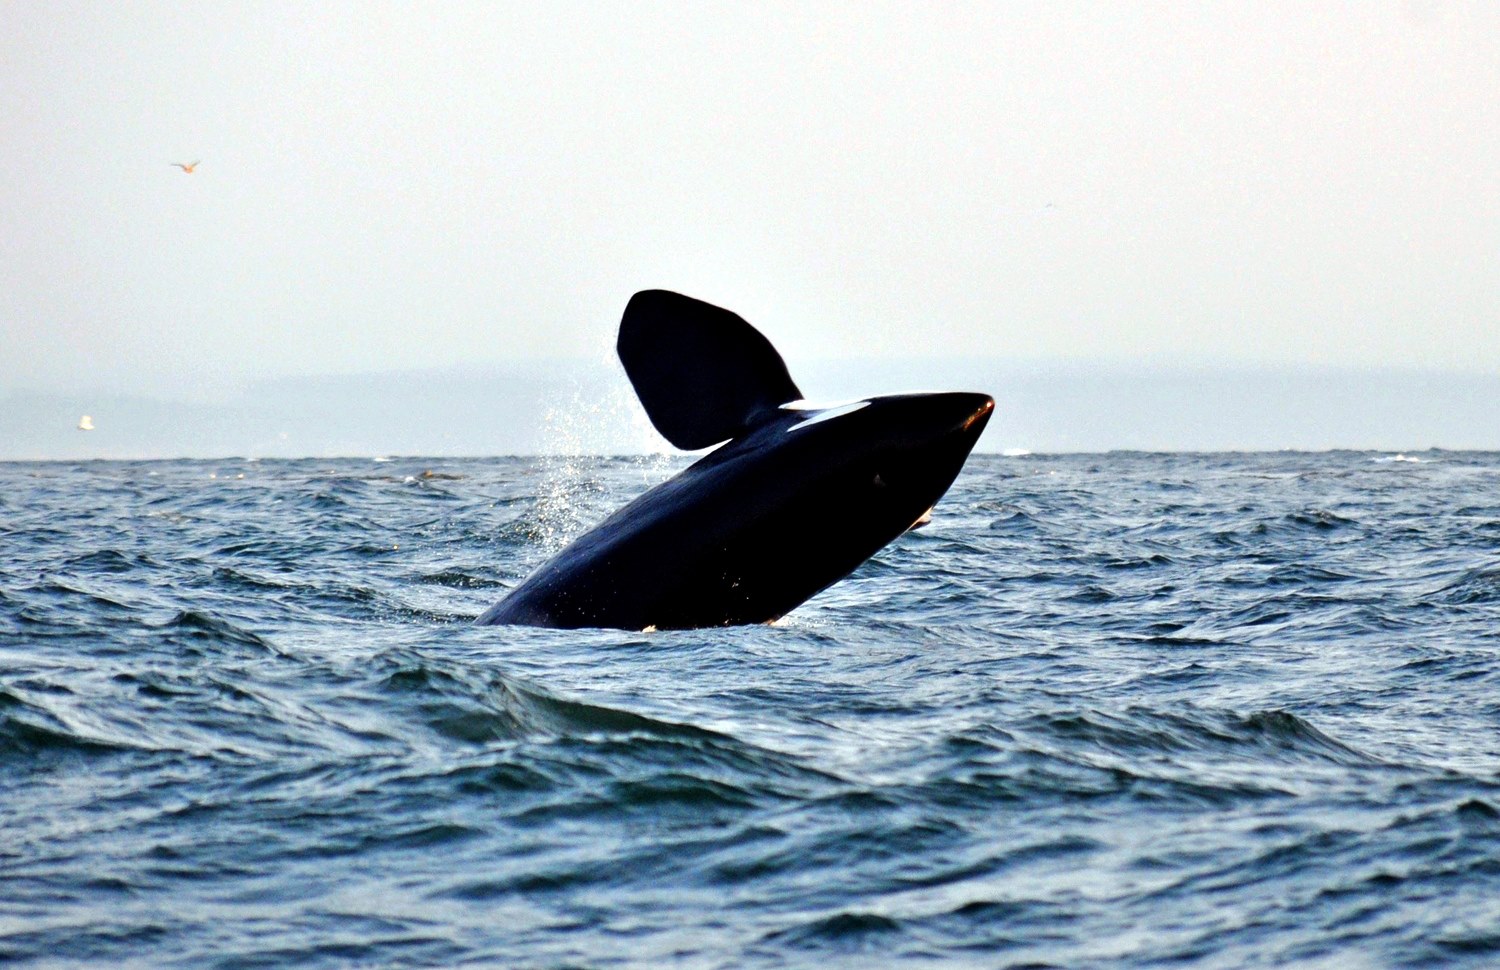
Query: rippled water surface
(1122, 710)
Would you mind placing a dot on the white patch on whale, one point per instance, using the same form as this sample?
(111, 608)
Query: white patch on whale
(825, 412)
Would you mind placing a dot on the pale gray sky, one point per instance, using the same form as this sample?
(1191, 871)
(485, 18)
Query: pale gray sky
(390, 186)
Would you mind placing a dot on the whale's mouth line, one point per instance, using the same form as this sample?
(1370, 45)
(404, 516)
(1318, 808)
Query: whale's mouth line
(979, 415)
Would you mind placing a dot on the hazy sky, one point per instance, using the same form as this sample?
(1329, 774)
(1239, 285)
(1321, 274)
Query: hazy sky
(418, 185)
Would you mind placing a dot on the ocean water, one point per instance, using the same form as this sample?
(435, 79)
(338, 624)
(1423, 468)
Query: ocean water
(1122, 710)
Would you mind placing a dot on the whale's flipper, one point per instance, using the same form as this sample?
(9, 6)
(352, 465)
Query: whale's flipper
(702, 373)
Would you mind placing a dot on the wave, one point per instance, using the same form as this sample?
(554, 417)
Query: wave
(195, 627)
(29, 731)
(475, 706)
(1245, 700)
(1475, 587)
(1276, 734)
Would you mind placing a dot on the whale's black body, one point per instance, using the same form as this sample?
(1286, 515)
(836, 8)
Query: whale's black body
(793, 501)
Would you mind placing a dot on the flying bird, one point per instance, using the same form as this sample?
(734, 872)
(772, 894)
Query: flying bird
(85, 423)
(186, 168)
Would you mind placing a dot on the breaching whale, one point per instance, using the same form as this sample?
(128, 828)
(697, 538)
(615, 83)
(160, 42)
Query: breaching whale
(794, 499)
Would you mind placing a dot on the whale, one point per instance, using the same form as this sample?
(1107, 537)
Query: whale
(793, 498)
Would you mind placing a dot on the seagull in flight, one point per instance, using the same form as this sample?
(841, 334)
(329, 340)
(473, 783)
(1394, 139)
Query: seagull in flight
(188, 168)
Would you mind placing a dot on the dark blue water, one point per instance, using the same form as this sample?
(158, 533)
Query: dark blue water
(1122, 710)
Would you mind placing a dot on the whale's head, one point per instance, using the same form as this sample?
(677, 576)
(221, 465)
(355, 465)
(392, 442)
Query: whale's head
(896, 455)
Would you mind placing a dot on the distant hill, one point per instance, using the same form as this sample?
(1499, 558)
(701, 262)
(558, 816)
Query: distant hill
(588, 407)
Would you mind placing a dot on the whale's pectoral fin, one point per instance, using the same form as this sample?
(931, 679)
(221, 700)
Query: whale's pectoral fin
(702, 373)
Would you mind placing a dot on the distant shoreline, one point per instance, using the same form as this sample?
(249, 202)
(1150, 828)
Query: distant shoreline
(591, 410)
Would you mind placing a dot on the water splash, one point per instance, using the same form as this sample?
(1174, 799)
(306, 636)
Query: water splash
(578, 432)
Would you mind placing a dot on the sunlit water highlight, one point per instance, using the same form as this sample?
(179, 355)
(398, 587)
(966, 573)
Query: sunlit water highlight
(1123, 710)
